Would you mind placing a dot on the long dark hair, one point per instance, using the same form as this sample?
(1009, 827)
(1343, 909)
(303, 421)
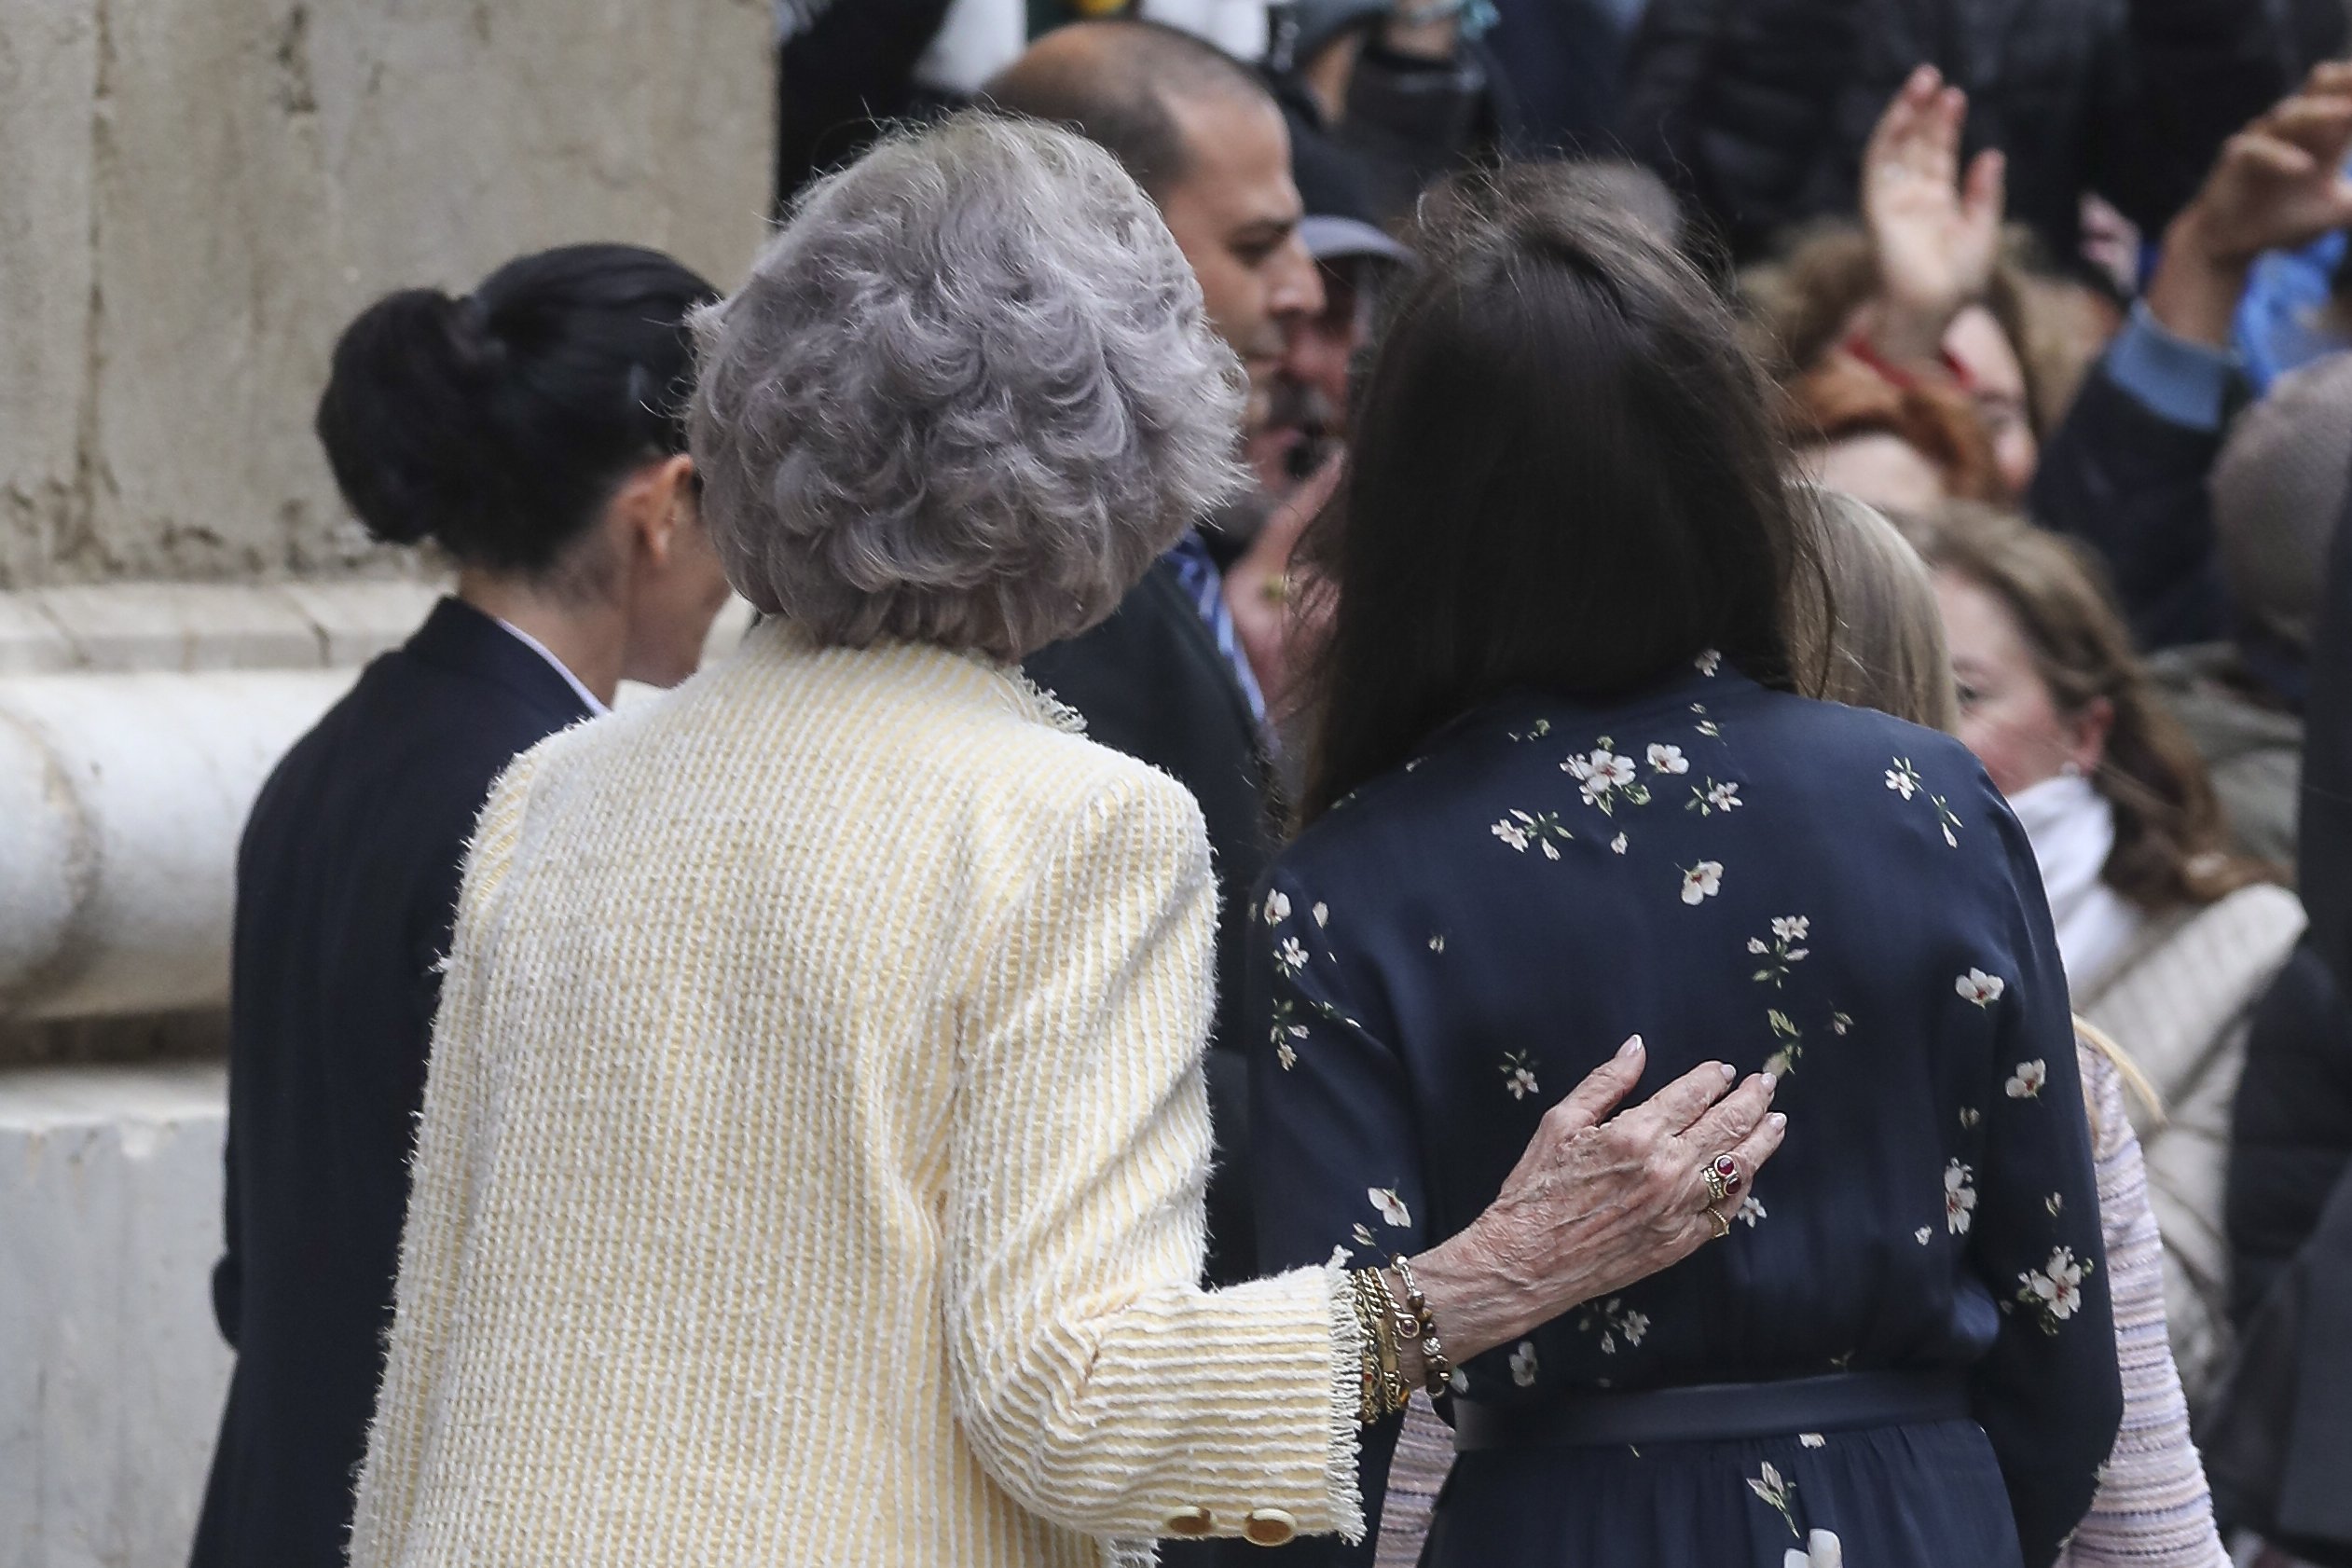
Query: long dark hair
(1564, 476)
(499, 423)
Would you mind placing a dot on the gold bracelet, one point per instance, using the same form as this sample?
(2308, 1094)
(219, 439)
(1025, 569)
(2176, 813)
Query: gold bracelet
(1398, 1328)
(1381, 1329)
(1372, 1399)
(1435, 1368)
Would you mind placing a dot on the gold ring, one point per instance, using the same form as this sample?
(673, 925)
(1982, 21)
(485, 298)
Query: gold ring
(1717, 1189)
(1722, 1225)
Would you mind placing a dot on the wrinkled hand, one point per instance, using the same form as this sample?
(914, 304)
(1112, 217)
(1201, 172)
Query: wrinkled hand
(1594, 1205)
(1937, 236)
(2279, 182)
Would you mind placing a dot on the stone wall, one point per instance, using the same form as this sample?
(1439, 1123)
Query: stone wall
(198, 194)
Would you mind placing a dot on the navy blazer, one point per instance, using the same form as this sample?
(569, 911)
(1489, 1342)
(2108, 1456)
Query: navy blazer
(346, 885)
(1149, 682)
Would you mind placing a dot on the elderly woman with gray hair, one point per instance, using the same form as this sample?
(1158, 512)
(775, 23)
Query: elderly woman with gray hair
(812, 1160)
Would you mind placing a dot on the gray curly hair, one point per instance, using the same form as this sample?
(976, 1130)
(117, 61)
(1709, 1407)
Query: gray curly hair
(967, 395)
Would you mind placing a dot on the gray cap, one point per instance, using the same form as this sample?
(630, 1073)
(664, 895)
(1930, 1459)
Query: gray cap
(2277, 492)
(1329, 238)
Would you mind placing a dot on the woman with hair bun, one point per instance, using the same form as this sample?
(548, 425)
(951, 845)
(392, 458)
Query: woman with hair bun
(533, 431)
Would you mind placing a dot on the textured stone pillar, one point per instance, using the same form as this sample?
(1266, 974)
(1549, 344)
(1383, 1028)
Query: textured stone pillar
(111, 1370)
(198, 194)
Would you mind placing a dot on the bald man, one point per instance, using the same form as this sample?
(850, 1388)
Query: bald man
(1165, 679)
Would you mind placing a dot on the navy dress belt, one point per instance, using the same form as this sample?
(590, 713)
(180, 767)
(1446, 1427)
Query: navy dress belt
(1703, 1411)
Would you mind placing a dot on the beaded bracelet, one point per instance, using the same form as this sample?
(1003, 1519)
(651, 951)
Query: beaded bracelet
(1436, 1368)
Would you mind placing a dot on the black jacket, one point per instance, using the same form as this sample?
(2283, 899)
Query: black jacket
(2291, 1135)
(347, 885)
(2130, 485)
(1757, 110)
(1150, 682)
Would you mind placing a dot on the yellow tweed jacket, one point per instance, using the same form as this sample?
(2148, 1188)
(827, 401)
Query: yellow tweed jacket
(812, 1158)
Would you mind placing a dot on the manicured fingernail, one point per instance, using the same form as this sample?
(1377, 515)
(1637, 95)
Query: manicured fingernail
(1779, 1120)
(1770, 1079)
(1729, 1072)
(1632, 1047)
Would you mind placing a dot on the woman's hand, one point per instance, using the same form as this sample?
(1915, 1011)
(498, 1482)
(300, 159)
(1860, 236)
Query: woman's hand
(1595, 1205)
(1936, 236)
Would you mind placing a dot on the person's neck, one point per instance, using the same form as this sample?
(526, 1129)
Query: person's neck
(588, 638)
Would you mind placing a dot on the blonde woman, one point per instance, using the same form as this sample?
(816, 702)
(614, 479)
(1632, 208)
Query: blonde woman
(1887, 651)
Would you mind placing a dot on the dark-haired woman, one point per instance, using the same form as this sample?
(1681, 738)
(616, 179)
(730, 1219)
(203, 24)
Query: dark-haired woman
(1561, 793)
(2169, 938)
(534, 431)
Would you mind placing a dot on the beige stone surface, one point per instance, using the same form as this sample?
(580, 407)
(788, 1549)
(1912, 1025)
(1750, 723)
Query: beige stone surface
(199, 192)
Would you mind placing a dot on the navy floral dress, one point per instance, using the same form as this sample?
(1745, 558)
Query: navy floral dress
(1737, 874)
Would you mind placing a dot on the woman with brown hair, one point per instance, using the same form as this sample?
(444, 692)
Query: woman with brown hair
(2168, 938)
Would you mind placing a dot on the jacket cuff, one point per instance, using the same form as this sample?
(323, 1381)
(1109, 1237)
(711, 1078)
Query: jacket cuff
(2181, 382)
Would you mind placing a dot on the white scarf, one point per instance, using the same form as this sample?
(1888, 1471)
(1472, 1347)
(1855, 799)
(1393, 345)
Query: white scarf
(2072, 829)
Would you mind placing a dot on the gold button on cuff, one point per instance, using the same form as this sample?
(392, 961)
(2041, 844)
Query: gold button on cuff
(1269, 1527)
(1191, 1523)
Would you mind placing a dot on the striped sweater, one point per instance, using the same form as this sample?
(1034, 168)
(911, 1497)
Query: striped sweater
(812, 1158)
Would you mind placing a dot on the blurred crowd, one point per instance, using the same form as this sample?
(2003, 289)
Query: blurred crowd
(2080, 263)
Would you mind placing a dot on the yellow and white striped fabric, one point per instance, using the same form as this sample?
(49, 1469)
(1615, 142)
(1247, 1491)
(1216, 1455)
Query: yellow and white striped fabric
(812, 1158)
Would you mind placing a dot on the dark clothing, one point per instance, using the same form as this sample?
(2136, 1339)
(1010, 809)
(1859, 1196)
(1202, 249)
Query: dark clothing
(1564, 61)
(2291, 1135)
(347, 887)
(2130, 486)
(2323, 848)
(1151, 683)
(1758, 110)
(2279, 1444)
(844, 79)
(1750, 876)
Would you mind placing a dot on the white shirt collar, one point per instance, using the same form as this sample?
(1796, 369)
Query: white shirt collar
(595, 704)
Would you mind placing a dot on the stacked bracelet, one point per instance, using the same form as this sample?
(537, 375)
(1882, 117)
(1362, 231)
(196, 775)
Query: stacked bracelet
(1384, 1390)
(1436, 1368)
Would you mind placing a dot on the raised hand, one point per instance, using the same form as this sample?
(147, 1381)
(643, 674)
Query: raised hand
(2278, 183)
(1936, 234)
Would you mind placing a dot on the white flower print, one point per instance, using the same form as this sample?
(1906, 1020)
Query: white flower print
(1811, 1440)
(1792, 928)
(1767, 1483)
(1291, 957)
(1723, 797)
(1757, 944)
(1322, 913)
(1905, 780)
(1277, 906)
(1613, 1321)
(2055, 1203)
(2027, 1081)
(1970, 1115)
(1668, 758)
(1363, 1234)
(1708, 661)
(1780, 952)
(1436, 941)
(1616, 845)
(1979, 987)
(1959, 1197)
(1902, 778)
(1390, 1207)
(1921, 1234)
(1523, 1367)
(1823, 1550)
(1714, 796)
(1518, 1075)
(1702, 881)
(1600, 771)
(1542, 829)
(1286, 1028)
(2054, 1290)
(1750, 1211)
(1784, 1061)
(1536, 731)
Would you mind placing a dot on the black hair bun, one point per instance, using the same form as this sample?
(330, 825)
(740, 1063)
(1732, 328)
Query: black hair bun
(498, 422)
